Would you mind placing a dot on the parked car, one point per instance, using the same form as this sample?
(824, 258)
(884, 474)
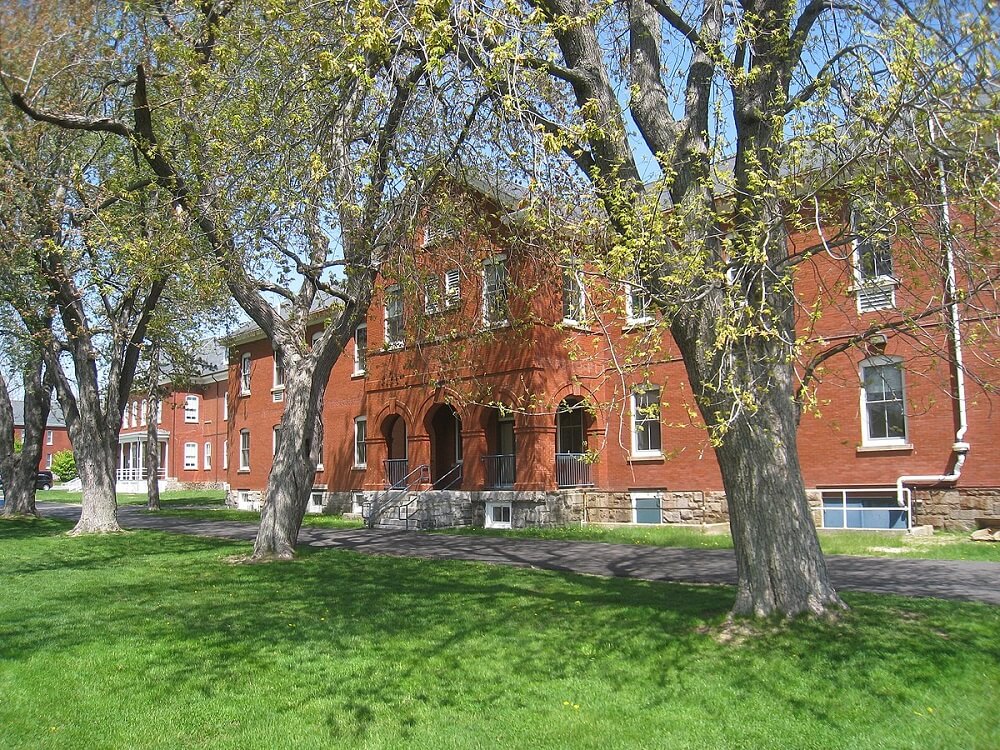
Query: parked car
(43, 480)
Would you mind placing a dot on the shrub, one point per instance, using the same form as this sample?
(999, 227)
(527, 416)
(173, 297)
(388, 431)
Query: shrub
(64, 465)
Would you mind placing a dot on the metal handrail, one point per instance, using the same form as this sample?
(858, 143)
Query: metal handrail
(382, 502)
(444, 483)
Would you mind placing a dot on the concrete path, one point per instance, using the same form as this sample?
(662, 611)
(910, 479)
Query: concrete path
(944, 579)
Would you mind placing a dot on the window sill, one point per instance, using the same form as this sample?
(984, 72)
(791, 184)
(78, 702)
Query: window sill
(243, 471)
(319, 468)
(881, 282)
(500, 324)
(358, 374)
(875, 448)
(359, 467)
(632, 325)
(244, 394)
(638, 458)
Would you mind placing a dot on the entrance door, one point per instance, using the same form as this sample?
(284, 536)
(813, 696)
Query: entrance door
(446, 448)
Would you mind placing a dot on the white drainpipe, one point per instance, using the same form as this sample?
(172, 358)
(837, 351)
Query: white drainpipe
(960, 448)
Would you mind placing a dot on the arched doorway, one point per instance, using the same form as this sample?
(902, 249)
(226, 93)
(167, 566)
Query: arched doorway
(572, 419)
(500, 464)
(394, 434)
(445, 429)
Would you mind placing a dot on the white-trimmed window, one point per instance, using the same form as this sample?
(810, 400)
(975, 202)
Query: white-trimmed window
(432, 295)
(357, 503)
(48, 461)
(225, 455)
(498, 515)
(245, 374)
(159, 412)
(637, 305)
(225, 408)
(49, 437)
(573, 293)
(646, 421)
(452, 287)
(142, 413)
(190, 456)
(646, 507)
(495, 282)
(191, 409)
(360, 447)
(244, 450)
(316, 498)
(278, 385)
(875, 283)
(275, 439)
(393, 316)
(135, 414)
(883, 402)
(207, 456)
(361, 349)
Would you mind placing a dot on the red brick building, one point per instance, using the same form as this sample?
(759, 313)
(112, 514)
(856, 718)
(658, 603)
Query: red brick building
(56, 438)
(191, 427)
(488, 386)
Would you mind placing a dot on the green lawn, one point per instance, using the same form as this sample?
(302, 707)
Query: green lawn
(311, 520)
(167, 499)
(146, 640)
(940, 546)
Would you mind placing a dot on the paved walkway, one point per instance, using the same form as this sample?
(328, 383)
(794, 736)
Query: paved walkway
(944, 579)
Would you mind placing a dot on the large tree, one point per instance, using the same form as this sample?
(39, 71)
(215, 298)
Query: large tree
(293, 142)
(702, 129)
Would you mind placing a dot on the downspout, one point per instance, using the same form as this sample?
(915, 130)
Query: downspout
(960, 447)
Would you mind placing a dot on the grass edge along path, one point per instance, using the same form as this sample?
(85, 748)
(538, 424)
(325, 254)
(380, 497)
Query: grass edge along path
(149, 640)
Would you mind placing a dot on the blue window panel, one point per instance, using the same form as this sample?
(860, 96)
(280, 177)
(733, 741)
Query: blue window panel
(647, 510)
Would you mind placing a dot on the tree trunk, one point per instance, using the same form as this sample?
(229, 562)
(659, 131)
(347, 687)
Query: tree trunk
(152, 454)
(97, 463)
(19, 489)
(18, 470)
(292, 472)
(780, 567)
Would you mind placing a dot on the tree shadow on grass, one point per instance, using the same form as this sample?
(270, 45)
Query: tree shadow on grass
(387, 645)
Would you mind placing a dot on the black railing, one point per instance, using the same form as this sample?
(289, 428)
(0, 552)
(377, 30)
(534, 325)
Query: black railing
(396, 472)
(572, 470)
(501, 470)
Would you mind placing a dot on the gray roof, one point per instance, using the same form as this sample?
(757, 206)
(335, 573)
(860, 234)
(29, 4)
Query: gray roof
(56, 418)
(211, 356)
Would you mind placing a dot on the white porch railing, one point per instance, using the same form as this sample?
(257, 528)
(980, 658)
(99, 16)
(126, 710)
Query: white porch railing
(138, 474)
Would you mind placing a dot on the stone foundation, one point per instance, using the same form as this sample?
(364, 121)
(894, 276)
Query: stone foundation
(949, 509)
(174, 484)
(955, 509)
